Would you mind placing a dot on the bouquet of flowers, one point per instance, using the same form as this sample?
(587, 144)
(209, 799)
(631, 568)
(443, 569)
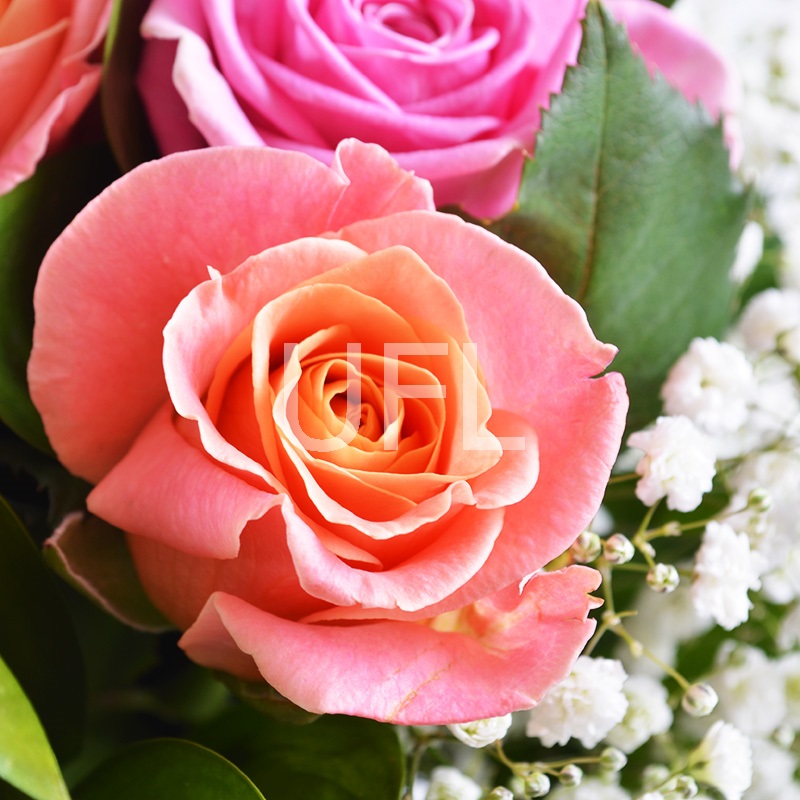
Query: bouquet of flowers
(400, 399)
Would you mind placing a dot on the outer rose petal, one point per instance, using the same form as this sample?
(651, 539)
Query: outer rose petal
(111, 281)
(516, 645)
(45, 80)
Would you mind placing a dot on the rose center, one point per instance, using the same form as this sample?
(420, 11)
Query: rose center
(410, 18)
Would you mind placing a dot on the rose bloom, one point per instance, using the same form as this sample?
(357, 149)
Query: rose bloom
(46, 76)
(364, 428)
(454, 90)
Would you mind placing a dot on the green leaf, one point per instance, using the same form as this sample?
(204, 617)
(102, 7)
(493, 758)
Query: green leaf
(31, 217)
(37, 639)
(126, 123)
(334, 758)
(167, 769)
(26, 759)
(631, 206)
(93, 557)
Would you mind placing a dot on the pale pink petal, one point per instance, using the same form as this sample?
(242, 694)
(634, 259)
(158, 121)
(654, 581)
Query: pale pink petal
(502, 656)
(427, 577)
(168, 489)
(376, 182)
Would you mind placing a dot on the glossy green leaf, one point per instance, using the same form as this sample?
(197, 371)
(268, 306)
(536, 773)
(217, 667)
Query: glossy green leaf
(31, 217)
(37, 639)
(334, 758)
(123, 114)
(631, 206)
(26, 759)
(167, 769)
(93, 557)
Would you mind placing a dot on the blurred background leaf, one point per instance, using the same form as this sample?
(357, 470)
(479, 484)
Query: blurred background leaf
(167, 769)
(125, 121)
(26, 759)
(31, 217)
(37, 639)
(333, 758)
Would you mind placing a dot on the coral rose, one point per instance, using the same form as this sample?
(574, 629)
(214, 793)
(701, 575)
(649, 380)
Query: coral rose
(46, 79)
(454, 90)
(366, 426)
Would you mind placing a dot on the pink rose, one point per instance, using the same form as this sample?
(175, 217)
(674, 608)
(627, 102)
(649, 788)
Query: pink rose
(453, 90)
(365, 426)
(46, 78)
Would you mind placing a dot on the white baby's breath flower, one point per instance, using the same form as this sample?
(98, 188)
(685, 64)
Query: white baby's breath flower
(678, 463)
(448, 783)
(481, 732)
(748, 252)
(586, 705)
(725, 570)
(773, 532)
(723, 760)
(789, 667)
(712, 384)
(773, 772)
(789, 633)
(590, 789)
(648, 713)
(751, 690)
(767, 319)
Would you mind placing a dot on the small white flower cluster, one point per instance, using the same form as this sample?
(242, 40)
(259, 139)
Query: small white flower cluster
(735, 404)
(586, 705)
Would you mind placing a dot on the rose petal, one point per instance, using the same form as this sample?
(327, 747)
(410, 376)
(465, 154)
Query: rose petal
(513, 647)
(429, 575)
(168, 489)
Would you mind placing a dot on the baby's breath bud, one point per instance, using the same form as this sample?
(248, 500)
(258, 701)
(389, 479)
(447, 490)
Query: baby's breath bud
(759, 500)
(654, 775)
(571, 775)
(537, 784)
(671, 528)
(699, 700)
(587, 547)
(618, 549)
(500, 793)
(684, 787)
(612, 759)
(482, 732)
(663, 578)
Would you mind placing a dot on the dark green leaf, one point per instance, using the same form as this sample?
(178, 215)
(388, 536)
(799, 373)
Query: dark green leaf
(125, 120)
(37, 639)
(167, 769)
(630, 204)
(31, 217)
(266, 700)
(26, 760)
(93, 557)
(334, 758)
